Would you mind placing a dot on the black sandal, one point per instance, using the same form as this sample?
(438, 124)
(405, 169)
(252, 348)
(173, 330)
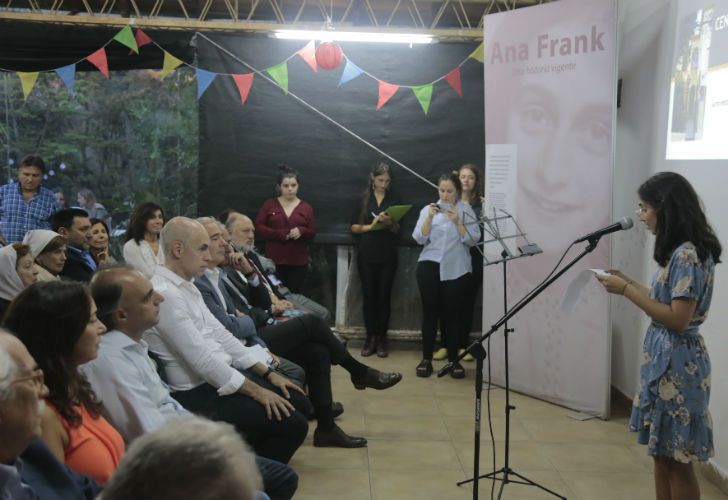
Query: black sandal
(424, 369)
(457, 371)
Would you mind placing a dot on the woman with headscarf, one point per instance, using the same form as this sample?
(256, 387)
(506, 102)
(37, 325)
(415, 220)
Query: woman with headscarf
(48, 248)
(16, 273)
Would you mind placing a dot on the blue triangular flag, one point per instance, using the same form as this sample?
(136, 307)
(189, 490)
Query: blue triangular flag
(351, 71)
(68, 75)
(204, 79)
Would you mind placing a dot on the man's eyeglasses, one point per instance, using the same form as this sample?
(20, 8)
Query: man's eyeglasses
(36, 377)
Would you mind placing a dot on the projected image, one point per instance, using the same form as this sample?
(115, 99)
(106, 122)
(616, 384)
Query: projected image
(698, 113)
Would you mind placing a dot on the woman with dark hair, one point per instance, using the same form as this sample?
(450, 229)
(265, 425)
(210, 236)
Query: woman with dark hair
(142, 250)
(98, 245)
(376, 256)
(87, 200)
(56, 320)
(287, 224)
(670, 413)
(443, 270)
(471, 179)
(17, 272)
(48, 248)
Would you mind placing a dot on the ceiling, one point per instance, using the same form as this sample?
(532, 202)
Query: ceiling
(445, 19)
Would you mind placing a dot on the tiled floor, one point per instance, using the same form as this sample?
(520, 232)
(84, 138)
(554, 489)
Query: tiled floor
(420, 436)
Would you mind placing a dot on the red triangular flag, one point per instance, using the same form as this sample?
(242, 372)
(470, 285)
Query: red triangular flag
(98, 59)
(386, 91)
(453, 78)
(308, 54)
(141, 38)
(244, 82)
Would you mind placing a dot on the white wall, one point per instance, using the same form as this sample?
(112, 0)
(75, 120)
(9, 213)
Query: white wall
(647, 30)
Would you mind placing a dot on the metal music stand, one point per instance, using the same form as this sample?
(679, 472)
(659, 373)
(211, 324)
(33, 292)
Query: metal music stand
(493, 229)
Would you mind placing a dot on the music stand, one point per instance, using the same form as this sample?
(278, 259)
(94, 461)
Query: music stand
(494, 237)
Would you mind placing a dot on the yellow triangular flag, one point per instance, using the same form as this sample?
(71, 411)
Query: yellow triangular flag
(477, 54)
(169, 64)
(27, 81)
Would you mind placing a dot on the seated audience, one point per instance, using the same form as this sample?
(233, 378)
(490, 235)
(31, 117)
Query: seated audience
(48, 248)
(28, 470)
(74, 224)
(305, 339)
(57, 323)
(17, 272)
(242, 232)
(189, 458)
(142, 250)
(203, 362)
(98, 244)
(87, 201)
(135, 400)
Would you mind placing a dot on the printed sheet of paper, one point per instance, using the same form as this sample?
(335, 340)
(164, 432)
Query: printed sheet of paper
(501, 175)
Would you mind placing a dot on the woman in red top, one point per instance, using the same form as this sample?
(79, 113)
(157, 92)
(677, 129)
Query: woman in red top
(56, 320)
(286, 223)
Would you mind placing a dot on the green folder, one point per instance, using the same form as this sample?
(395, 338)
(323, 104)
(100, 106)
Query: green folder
(396, 212)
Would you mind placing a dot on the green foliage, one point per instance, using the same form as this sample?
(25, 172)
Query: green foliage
(129, 139)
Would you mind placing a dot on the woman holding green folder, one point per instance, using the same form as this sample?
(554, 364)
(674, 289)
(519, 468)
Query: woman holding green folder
(377, 234)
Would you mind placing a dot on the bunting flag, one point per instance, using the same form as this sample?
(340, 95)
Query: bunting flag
(453, 78)
(308, 54)
(141, 38)
(126, 37)
(279, 72)
(243, 83)
(478, 54)
(68, 75)
(27, 81)
(351, 71)
(169, 64)
(204, 79)
(98, 59)
(423, 93)
(386, 91)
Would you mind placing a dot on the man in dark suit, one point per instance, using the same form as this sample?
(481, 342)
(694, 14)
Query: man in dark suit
(74, 224)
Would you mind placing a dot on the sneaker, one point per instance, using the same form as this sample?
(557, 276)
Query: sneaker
(468, 357)
(440, 354)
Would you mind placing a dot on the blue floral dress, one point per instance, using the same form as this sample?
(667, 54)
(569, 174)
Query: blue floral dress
(670, 412)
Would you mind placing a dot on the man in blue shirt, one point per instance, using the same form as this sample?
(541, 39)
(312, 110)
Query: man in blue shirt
(74, 224)
(25, 205)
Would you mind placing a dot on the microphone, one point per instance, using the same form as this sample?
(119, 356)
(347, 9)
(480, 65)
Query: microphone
(620, 225)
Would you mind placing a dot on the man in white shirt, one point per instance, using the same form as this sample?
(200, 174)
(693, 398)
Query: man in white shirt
(203, 362)
(135, 400)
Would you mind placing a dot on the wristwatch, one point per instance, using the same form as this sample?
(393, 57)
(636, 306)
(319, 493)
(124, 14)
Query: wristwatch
(268, 372)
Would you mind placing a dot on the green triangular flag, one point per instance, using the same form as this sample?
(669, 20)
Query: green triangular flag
(279, 72)
(423, 93)
(126, 37)
(477, 54)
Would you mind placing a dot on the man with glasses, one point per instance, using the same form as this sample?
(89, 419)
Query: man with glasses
(28, 470)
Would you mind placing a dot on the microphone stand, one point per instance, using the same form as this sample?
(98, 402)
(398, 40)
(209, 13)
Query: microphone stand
(477, 350)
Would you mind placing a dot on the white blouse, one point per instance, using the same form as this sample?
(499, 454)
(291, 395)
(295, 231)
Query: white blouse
(141, 257)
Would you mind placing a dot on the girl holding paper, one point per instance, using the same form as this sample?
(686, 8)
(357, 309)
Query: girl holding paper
(377, 234)
(670, 413)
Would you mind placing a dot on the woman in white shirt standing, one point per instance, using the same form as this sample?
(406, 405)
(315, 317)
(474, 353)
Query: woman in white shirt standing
(444, 269)
(142, 250)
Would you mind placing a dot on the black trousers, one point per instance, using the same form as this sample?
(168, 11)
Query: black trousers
(309, 342)
(280, 482)
(293, 277)
(476, 283)
(376, 290)
(270, 438)
(443, 305)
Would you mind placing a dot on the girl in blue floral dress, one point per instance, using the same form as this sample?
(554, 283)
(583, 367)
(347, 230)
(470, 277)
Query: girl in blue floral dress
(670, 412)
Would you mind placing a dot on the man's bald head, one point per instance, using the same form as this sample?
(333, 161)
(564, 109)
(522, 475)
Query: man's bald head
(186, 247)
(126, 300)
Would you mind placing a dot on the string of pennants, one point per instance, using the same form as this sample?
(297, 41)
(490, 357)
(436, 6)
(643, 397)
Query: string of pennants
(134, 40)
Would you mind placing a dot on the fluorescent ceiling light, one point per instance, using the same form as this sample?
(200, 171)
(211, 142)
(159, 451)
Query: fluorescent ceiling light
(352, 36)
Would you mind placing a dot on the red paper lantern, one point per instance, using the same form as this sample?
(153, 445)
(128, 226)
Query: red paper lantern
(328, 55)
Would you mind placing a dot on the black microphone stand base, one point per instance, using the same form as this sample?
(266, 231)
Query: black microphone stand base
(507, 472)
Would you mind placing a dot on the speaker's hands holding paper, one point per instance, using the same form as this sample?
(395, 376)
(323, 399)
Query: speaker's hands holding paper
(613, 280)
